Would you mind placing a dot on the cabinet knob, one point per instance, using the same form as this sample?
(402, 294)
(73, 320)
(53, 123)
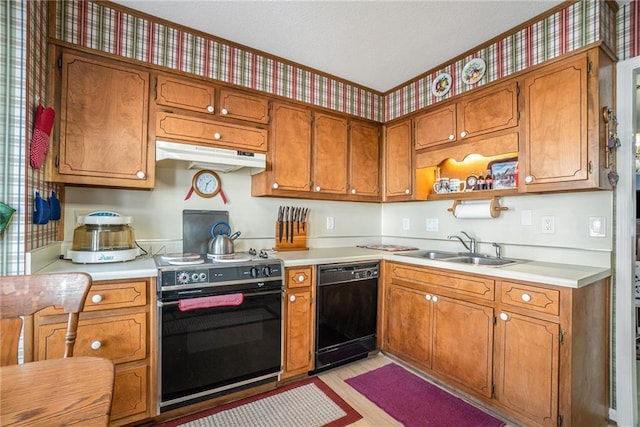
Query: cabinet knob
(96, 299)
(451, 137)
(224, 111)
(140, 174)
(435, 298)
(301, 278)
(427, 297)
(317, 188)
(210, 108)
(463, 134)
(217, 135)
(353, 191)
(528, 179)
(504, 316)
(275, 185)
(407, 191)
(526, 297)
(292, 298)
(96, 345)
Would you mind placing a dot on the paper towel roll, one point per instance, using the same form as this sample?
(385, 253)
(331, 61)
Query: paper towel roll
(473, 209)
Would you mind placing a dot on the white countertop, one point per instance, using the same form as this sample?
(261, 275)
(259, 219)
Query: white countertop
(568, 275)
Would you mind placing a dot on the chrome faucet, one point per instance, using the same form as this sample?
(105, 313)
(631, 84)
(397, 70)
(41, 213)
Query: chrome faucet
(498, 250)
(472, 242)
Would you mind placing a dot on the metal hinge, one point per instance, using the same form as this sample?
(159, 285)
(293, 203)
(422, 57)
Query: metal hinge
(562, 337)
(493, 390)
(590, 167)
(155, 89)
(518, 89)
(57, 161)
(559, 423)
(495, 320)
(60, 62)
(589, 67)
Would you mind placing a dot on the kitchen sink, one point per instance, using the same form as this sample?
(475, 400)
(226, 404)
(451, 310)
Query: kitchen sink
(430, 254)
(480, 260)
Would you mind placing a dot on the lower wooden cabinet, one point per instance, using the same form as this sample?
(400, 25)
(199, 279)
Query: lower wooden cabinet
(115, 324)
(298, 321)
(536, 353)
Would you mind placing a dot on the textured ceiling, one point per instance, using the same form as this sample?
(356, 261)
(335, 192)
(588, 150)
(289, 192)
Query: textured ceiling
(377, 44)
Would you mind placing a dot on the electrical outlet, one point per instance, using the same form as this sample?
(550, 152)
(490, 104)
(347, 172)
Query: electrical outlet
(432, 224)
(548, 224)
(597, 226)
(406, 224)
(331, 223)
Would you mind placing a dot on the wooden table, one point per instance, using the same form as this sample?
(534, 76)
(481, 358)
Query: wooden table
(57, 392)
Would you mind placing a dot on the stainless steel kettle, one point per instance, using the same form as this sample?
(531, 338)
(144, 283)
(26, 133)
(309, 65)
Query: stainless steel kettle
(221, 242)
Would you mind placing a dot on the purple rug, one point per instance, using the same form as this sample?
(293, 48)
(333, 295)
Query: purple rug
(415, 402)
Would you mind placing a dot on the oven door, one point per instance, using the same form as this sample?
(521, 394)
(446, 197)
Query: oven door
(207, 352)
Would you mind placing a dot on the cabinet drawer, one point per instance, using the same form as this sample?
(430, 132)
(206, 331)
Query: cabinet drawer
(129, 392)
(119, 338)
(185, 94)
(299, 277)
(447, 284)
(531, 297)
(117, 295)
(242, 106)
(195, 129)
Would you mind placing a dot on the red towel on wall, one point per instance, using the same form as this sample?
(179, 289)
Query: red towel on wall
(43, 123)
(208, 302)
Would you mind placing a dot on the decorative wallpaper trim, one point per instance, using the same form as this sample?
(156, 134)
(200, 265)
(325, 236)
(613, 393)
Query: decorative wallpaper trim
(628, 36)
(100, 27)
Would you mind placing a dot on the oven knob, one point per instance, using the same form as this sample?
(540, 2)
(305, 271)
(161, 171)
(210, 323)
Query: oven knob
(254, 272)
(182, 277)
(266, 271)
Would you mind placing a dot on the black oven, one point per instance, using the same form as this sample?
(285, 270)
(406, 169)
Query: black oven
(219, 330)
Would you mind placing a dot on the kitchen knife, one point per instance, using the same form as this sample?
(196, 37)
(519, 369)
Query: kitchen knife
(280, 224)
(286, 225)
(293, 214)
(304, 218)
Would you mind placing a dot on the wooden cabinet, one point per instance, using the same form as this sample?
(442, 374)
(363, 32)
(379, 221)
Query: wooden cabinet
(426, 327)
(244, 106)
(563, 124)
(364, 159)
(522, 348)
(114, 324)
(398, 162)
(186, 94)
(103, 114)
(298, 321)
(330, 154)
(487, 110)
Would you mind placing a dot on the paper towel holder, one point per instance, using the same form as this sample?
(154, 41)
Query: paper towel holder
(494, 207)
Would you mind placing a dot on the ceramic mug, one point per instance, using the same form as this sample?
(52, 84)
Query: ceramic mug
(441, 185)
(456, 185)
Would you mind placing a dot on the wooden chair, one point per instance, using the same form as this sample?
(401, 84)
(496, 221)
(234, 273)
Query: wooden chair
(27, 294)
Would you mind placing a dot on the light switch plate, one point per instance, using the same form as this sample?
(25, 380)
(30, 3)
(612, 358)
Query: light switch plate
(597, 226)
(406, 224)
(432, 224)
(330, 223)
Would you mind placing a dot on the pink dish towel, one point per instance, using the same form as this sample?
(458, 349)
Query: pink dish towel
(208, 302)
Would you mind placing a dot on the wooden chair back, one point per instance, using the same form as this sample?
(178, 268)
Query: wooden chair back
(27, 294)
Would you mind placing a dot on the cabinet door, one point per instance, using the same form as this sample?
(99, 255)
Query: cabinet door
(364, 159)
(129, 391)
(329, 154)
(457, 323)
(290, 147)
(526, 367)
(408, 329)
(398, 162)
(555, 126)
(298, 333)
(187, 94)
(491, 110)
(103, 124)
(243, 106)
(436, 127)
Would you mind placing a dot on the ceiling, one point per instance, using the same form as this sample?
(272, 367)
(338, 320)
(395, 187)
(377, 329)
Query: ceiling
(377, 44)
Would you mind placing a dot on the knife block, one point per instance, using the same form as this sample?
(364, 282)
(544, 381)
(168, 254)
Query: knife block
(299, 237)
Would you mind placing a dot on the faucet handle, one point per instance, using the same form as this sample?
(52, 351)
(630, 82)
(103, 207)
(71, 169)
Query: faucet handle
(498, 249)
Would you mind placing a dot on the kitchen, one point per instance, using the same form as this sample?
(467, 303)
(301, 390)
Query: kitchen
(387, 224)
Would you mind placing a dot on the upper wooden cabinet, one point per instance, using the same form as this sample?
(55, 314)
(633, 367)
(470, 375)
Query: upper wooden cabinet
(563, 124)
(398, 162)
(186, 94)
(364, 159)
(103, 113)
(243, 106)
(330, 154)
(487, 110)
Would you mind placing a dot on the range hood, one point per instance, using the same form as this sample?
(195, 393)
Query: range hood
(200, 157)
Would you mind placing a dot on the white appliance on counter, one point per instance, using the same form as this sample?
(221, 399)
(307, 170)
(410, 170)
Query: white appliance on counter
(101, 237)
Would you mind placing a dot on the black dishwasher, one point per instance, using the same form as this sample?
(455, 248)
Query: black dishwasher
(346, 313)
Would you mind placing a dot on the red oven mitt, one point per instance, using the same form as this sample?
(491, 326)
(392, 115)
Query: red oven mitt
(43, 124)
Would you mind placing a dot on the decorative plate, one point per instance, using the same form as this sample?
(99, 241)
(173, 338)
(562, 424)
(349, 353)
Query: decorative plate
(473, 71)
(441, 84)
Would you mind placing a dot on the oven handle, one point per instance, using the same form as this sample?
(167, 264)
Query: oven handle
(256, 294)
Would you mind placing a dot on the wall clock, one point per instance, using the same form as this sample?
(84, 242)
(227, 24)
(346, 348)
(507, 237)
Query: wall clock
(206, 183)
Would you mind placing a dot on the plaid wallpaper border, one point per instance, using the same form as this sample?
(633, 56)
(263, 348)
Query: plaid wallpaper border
(629, 31)
(109, 30)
